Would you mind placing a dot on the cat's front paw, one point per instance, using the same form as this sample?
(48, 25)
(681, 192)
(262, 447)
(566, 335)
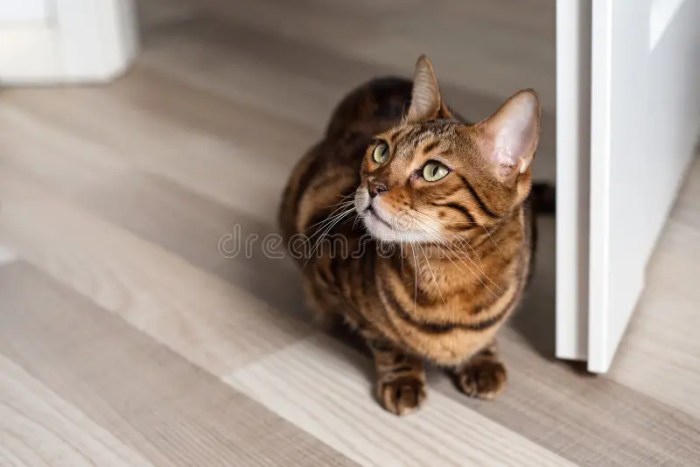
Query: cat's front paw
(402, 395)
(484, 378)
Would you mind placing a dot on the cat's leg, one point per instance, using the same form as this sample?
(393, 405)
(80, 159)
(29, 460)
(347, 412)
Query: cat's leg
(400, 377)
(483, 375)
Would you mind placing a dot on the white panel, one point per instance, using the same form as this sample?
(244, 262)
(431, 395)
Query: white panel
(573, 161)
(645, 116)
(619, 171)
(24, 11)
(660, 17)
(674, 114)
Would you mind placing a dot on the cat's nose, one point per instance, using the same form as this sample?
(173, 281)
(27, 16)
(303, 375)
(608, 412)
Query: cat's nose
(374, 187)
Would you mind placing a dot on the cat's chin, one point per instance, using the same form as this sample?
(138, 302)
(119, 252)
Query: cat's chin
(380, 230)
(382, 227)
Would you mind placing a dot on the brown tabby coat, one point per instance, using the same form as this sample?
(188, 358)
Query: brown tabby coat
(462, 243)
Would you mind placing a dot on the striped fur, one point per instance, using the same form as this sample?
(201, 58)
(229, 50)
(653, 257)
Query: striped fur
(462, 250)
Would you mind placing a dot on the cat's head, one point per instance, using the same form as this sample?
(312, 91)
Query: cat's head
(433, 178)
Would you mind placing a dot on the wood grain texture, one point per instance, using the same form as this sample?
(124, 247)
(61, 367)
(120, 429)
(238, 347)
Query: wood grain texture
(118, 315)
(327, 392)
(38, 427)
(586, 419)
(516, 39)
(193, 312)
(152, 400)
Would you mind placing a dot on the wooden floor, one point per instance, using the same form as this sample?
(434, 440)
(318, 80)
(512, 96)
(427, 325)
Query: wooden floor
(126, 338)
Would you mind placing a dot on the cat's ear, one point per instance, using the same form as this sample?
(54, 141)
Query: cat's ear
(509, 138)
(425, 98)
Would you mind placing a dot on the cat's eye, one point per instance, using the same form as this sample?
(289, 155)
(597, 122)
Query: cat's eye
(380, 153)
(434, 171)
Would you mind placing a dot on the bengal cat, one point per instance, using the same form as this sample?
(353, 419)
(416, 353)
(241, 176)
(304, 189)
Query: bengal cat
(397, 168)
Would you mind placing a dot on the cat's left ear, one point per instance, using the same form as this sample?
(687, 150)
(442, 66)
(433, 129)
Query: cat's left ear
(426, 101)
(509, 137)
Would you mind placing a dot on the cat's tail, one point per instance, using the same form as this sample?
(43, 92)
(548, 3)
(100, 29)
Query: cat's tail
(543, 197)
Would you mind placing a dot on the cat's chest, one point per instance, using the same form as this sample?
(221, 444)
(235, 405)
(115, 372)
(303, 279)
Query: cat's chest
(447, 328)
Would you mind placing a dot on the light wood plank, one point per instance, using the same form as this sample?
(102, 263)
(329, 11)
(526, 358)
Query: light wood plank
(588, 420)
(37, 427)
(168, 214)
(152, 400)
(199, 160)
(315, 78)
(327, 393)
(192, 227)
(493, 49)
(211, 322)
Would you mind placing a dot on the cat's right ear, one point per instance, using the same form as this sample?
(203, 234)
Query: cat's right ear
(508, 139)
(426, 101)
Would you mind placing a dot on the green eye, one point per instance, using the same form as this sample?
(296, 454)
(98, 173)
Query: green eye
(434, 171)
(380, 153)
